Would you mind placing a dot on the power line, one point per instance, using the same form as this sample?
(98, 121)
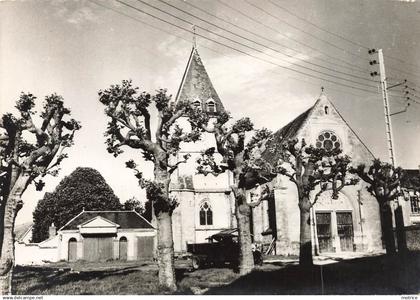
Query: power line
(183, 39)
(332, 33)
(262, 45)
(325, 41)
(154, 27)
(243, 52)
(252, 48)
(317, 26)
(358, 68)
(271, 40)
(301, 30)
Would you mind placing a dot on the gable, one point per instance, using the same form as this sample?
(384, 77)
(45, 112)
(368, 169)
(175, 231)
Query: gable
(321, 117)
(124, 219)
(98, 222)
(324, 117)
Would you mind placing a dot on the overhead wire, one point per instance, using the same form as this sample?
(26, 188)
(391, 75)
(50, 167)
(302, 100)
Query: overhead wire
(304, 31)
(330, 32)
(189, 31)
(317, 26)
(273, 29)
(243, 52)
(250, 47)
(323, 40)
(264, 38)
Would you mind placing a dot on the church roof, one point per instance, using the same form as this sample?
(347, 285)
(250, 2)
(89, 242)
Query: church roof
(291, 130)
(196, 83)
(125, 219)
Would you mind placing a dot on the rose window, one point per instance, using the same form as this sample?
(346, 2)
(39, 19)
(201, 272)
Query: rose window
(328, 140)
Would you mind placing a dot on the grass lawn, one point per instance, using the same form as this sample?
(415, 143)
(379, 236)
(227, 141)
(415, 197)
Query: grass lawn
(371, 275)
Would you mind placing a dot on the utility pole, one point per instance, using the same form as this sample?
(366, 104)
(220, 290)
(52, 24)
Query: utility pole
(384, 87)
(397, 212)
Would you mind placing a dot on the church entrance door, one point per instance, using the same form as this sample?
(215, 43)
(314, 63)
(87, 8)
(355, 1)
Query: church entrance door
(345, 230)
(323, 230)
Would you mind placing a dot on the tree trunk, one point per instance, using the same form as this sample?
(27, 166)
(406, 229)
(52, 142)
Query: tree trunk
(387, 230)
(166, 251)
(400, 229)
(7, 247)
(246, 258)
(305, 247)
(163, 213)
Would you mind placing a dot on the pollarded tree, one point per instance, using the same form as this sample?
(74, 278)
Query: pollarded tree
(383, 180)
(129, 126)
(84, 188)
(28, 151)
(249, 170)
(312, 169)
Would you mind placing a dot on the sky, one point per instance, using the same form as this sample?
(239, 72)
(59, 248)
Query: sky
(75, 48)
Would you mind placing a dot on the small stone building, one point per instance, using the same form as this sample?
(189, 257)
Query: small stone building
(90, 236)
(106, 235)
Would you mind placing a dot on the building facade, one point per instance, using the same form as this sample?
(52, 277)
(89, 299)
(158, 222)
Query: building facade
(92, 236)
(205, 203)
(106, 235)
(349, 223)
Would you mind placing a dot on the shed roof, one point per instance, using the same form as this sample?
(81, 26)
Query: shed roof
(126, 219)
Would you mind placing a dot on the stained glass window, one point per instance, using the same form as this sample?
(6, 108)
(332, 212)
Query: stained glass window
(206, 214)
(328, 140)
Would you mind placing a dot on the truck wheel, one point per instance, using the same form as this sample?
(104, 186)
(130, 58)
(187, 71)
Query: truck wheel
(195, 262)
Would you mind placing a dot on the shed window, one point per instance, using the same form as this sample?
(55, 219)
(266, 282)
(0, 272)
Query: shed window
(206, 214)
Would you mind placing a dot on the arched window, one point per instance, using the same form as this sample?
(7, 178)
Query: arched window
(206, 214)
(328, 140)
(211, 106)
(326, 109)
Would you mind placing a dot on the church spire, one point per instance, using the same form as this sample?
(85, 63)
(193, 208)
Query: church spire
(194, 38)
(196, 86)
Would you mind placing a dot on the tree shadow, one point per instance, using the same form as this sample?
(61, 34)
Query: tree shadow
(52, 277)
(362, 276)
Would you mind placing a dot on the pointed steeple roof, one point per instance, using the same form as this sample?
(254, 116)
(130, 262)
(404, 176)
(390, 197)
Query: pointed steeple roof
(196, 83)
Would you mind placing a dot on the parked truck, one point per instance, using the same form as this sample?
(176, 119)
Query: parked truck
(222, 249)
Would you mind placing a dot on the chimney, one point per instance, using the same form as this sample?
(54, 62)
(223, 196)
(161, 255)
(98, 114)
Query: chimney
(52, 230)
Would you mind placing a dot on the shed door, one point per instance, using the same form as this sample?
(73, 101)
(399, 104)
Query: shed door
(144, 247)
(323, 230)
(72, 249)
(123, 248)
(345, 230)
(98, 248)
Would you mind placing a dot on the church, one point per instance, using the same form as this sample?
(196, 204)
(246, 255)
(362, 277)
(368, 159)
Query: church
(206, 206)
